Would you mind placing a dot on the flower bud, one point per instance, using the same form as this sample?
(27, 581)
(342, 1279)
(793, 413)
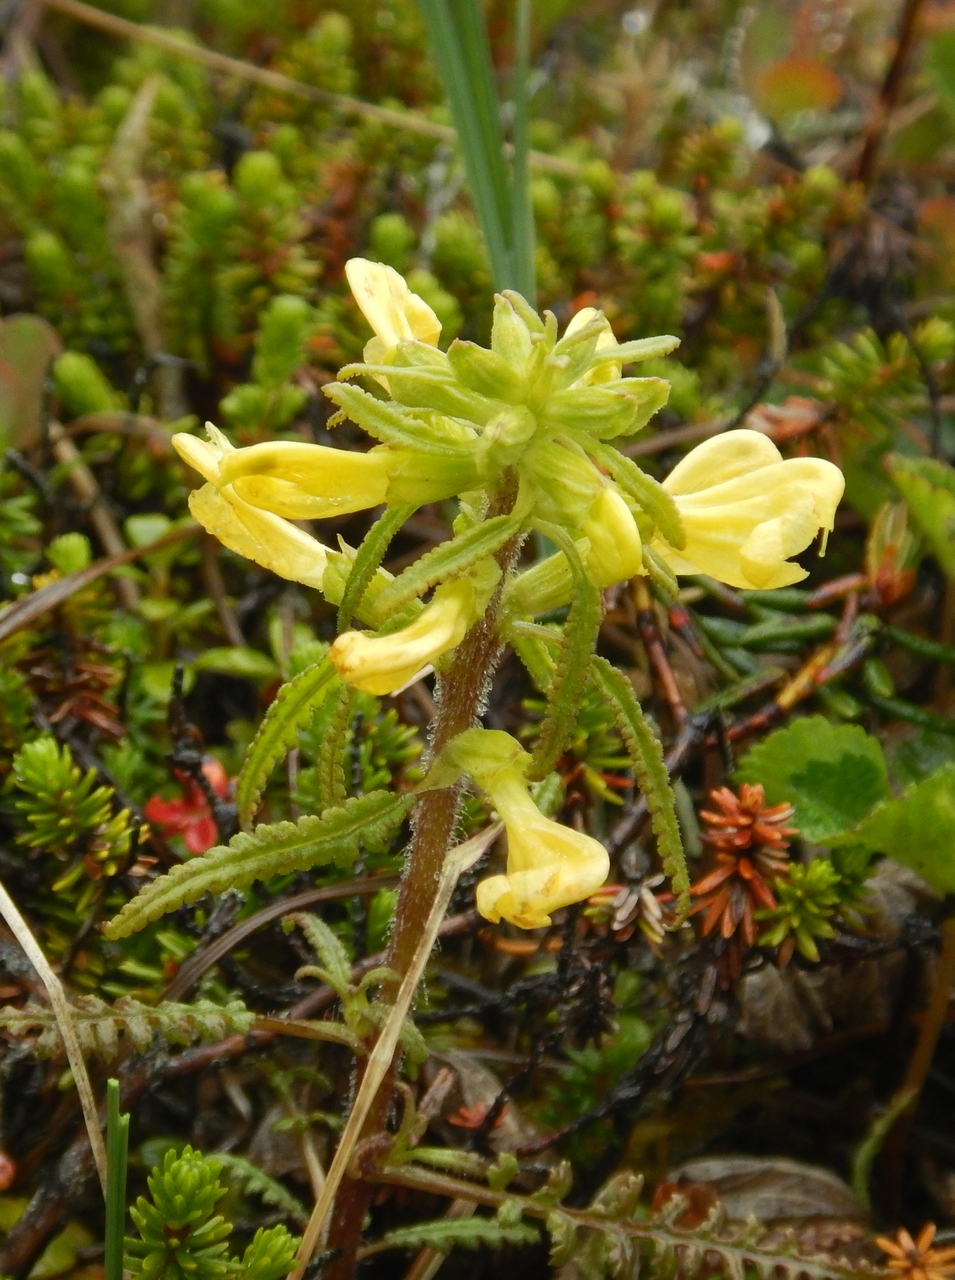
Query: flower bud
(485, 372)
(745, 510)
(616, 552)
(383, 664)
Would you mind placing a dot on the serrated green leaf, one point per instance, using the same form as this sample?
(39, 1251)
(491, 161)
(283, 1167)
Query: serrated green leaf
(293, 707)
(566, 691)
(387, 421)
(255, 1181)
(464, 1233)
(832, 774)
(916, 829)
(449, 560)
(330, 761)
(646, 758)
(650, 494)
(270, 850)
(367, 560)
(928, 487)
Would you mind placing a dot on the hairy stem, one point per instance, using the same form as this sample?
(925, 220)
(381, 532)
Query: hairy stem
(461, 692)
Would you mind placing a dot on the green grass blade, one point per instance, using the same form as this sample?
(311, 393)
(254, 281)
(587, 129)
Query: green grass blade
(462, 53)
(522, 210)
(117, 1155)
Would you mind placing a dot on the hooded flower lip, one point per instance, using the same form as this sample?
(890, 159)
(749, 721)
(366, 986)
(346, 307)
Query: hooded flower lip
(307, 481)
(616, 552)
(384, 664)
(549, 866)
(258, 535)
(745, 510)
(393, 311)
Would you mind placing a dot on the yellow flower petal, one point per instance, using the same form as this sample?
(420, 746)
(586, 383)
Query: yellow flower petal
(723, 457)
(382, 664)
(616, 553)
(746, 511)
(203, 455)
(307, 481)
(393, 311)
(549, 866)
(260, 536)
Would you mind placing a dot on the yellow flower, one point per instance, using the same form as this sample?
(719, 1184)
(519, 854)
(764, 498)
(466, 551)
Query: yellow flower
(383, 664)
(307, 481)
(616, 552)
(258, 535)
(746, 511)
(548, 865)
(393, 311)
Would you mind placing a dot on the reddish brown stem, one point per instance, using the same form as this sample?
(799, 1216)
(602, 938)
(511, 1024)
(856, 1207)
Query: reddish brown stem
(890, 92)
(649, 630)
(461, 693)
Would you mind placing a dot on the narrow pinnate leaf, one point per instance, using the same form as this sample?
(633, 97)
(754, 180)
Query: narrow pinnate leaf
(107, 1030)
(273, 850)
(330, 763)
(449, 560)
(461, 1233)
(566, 691)
(646, 757)
(367, 560)
(295, 704)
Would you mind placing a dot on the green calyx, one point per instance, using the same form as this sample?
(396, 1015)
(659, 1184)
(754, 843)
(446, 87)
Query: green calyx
(531, 406)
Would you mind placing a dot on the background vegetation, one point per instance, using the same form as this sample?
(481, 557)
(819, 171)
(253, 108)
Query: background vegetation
(774, 183)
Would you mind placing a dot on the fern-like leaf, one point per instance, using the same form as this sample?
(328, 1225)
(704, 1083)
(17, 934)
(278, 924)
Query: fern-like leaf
(268, 851)
(330, 761)
(367, 560)
(646, 757)
(294, 705)
(566, 692)
(256, 1182)
(106, 1030)
(449, 560)
(446, 1234)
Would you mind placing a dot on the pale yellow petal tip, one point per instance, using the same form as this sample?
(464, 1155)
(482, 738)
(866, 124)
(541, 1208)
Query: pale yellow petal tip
(496, 901)
(386, 664)
(393, 311)
(198, 454)
(616, 552)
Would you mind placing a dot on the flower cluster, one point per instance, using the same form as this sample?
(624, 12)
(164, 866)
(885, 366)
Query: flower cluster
(532, 415)
(521, 433)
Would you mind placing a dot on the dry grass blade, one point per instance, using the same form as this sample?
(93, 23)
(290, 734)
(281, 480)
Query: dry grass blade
(457, 862)
(410, 121)
(64, 1018)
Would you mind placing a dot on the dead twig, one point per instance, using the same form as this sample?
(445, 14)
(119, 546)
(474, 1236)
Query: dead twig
(26, 611)
(86, 487)
(410, 121)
